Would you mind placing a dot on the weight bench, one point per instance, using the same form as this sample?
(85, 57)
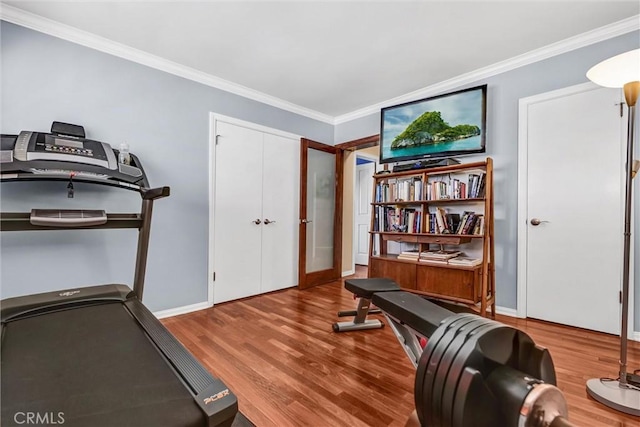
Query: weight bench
(363, 289)
(474, 371)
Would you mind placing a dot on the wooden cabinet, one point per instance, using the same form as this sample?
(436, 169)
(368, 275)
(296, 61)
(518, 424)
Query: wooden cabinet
(426, 224)
(404, 273)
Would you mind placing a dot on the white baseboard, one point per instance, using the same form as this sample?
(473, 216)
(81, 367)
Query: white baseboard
(348, 273)
(182, 310)
(633, 336)
(505, 311)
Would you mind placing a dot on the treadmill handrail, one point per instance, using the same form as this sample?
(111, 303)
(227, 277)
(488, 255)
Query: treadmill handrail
(29, 305)
(145, 192)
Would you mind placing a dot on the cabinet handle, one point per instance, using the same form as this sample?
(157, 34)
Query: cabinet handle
(257, 221)
(267, 222)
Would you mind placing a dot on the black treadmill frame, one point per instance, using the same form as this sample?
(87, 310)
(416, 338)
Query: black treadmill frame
(217, 402)
(20, 221)
(214, 398)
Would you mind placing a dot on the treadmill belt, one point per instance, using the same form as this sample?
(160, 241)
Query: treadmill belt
(107, 374)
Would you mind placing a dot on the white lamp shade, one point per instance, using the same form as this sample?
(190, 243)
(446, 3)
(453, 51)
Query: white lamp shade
(617, 71)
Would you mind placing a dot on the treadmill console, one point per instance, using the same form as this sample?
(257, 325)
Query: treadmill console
(66, 152)
(44, 146)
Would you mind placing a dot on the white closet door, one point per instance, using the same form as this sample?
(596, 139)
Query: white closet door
(575, 168)
(237, 206)
(280, 195)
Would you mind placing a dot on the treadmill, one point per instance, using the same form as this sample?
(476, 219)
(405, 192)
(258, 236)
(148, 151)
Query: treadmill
(95, 356)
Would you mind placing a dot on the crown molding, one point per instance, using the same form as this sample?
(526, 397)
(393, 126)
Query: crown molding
(84, 38)
(585, 39)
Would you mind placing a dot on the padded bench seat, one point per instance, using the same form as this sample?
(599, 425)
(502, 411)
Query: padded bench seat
(423, 316)
(365, 288)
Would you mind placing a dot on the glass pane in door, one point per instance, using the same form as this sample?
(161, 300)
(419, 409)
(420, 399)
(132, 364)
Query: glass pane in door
(321, 187)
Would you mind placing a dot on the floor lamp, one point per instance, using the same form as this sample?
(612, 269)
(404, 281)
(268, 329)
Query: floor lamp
(621, 71)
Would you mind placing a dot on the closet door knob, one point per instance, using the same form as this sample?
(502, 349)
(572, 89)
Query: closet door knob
(267, 221)
(257, 221)
(536, 221)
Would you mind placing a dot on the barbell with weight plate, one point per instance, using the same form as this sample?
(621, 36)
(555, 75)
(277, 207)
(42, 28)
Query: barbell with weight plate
(475, 372)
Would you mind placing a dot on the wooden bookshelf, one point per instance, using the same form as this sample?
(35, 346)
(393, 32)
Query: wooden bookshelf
(422, 212)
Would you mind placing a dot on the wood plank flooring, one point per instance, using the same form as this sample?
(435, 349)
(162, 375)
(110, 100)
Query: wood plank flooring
(278, 354)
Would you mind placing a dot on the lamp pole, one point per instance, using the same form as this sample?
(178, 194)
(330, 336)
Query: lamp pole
(631, 96)
(621, 71)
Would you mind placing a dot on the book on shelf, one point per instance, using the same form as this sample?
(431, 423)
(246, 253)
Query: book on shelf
(478, 227)
(439, 255)
(440, 221)
(434, 261)
(467, 261)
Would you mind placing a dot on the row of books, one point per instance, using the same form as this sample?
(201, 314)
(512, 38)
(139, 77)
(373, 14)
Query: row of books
(409, 220)
(399, 190)
(399, 220)
(440, 257)
(476, 186)
(449, 189)
(413, 189)
(469, 223)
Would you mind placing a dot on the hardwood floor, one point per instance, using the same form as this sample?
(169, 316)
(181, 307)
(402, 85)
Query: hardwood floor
(278, 354)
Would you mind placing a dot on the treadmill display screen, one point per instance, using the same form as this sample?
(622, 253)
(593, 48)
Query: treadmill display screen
(68, 143)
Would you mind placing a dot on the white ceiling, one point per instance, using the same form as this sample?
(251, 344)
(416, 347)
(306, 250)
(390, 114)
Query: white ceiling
(335, 57)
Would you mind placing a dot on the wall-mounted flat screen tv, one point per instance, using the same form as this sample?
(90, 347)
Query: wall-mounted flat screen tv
(448, 125)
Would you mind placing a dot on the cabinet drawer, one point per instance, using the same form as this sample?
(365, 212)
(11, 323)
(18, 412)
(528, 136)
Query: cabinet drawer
(403, 273)
(444, 240)
(400, 238)
(449, 282)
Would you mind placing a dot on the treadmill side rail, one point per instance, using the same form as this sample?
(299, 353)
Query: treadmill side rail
(218, 403)
(215, 399)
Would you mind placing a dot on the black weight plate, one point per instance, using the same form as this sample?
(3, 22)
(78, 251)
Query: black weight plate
(474, 355)
(434, 361)
(440, 375)
(423, 363)
(457, 367)
(474, 411)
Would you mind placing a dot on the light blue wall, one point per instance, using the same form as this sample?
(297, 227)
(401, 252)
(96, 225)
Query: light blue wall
(504, 92)
(165, 120)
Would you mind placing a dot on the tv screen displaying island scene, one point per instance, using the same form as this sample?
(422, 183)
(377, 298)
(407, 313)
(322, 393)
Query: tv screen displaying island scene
(448, 125)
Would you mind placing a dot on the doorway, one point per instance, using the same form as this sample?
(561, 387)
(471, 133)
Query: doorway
(570, 216)
(366, 148)
(366, 166)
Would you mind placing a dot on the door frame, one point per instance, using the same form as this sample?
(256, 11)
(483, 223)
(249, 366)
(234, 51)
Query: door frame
(522, 229)
(214, 118)
(307, 280)
(354, 146)
(355, 236)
